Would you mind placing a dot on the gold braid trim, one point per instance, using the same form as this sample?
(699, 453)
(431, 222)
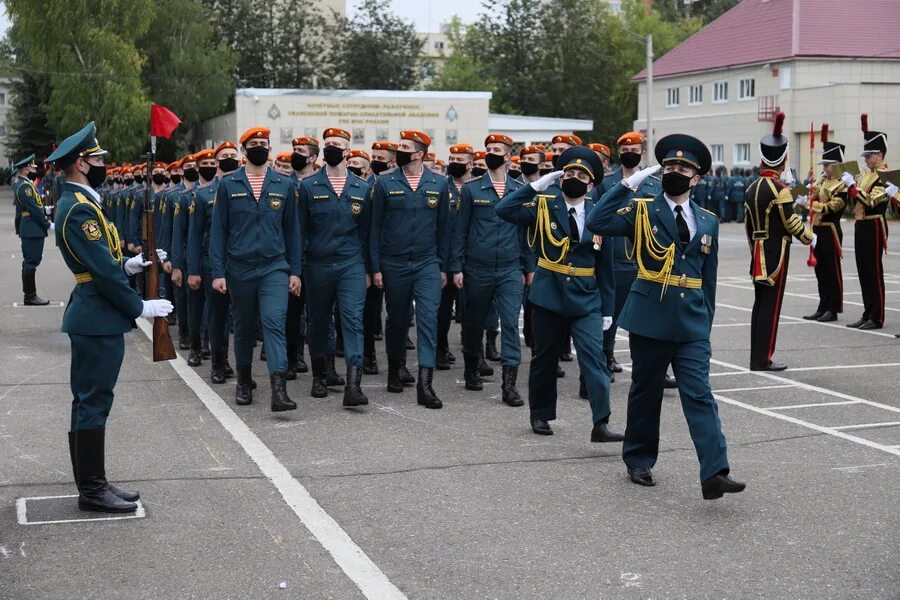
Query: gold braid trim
(543, 230)
(644, 241)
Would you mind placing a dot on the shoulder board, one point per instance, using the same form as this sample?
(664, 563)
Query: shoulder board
(707, 211)
(643, 199)
(547, 196)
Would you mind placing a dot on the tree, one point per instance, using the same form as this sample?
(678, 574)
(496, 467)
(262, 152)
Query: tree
(462, 71)
(26, 124)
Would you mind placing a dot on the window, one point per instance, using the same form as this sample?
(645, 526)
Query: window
(747, 89)
(2, 98)
(718, 152)
(742, 154)
(696, 94)
(720, 91)
(439, 45)
(784, 78)
(672, 97)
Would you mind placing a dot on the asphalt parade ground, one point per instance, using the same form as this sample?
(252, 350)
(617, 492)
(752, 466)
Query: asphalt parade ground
(396, 501)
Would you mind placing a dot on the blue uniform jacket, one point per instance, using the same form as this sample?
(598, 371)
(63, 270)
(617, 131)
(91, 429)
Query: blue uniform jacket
(180, 223)
(680, 314)
(481, 239)
(334, 229)
(199, 225)
(623, 254)
(166, 208)
(409, 224)
(30, 209)
(262, 235)
(558, 292)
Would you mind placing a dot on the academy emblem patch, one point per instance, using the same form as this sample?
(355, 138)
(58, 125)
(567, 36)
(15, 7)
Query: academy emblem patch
(28, 192)
(191, 207)
(91, 230)
(355, 208)
(432, 202)
(275, 203)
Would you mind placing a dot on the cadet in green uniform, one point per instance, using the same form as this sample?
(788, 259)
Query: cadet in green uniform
(101, 309)
(573, 291)
(254, 250)
(408, 250)
(670, 308)
(33, 227)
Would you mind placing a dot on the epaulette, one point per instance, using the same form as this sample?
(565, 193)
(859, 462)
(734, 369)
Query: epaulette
(643, 199)
(707, 211)
(547, 196)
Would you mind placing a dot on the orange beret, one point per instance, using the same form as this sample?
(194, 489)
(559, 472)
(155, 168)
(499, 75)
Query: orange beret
(462, 149)
(548, 156)
(255, 132)
(174, 165)
(209, 153)
(187, 158)
(389, 146)
(480, 155)
(535, 149)
(632, 137)
(223, 146)
(284, 157)
(136, 168)
(359, 154)
(566, 138)
(336, 132)
(601, 148)
(498, 138)
(440, 162)
(416, 136)
(430, 156)
(515, 159)
(305, 141)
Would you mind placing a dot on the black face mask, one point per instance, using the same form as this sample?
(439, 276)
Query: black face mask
(403, 158)
(545, 171)
(258, 155)
(129, 181)
(226, 164)
(378, 166)
(207, 173)
(529, 168)
(630, 160)
(457, 170)
(555, 160)
(675, 184)
(298, 161)
(355, 170)
(574, 187)
(176, 179)
(191, 175)
(478, 171)
(514, 174)
(95, 175)
(158, 178)
(494, 161)
(333, 155)
(139, 179)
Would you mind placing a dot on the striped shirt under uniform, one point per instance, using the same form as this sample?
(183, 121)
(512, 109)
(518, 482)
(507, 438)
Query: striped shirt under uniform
(256, 184)
(499, 187)
(413, 180)
(337, 184)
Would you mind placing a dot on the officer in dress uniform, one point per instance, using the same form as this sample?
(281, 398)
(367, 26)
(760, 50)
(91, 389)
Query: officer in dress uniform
(489, 259)
(770, 224)
(828, 200)
(33, 227)
(254, 250)
(670, 308)
(101, 309)
(408, 249)
(870, 195)
(573, 291)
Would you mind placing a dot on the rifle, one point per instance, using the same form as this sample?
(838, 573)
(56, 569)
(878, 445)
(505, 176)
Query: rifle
(812, 261)
(163, 349)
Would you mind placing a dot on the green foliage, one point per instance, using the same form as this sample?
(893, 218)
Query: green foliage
(27, 130)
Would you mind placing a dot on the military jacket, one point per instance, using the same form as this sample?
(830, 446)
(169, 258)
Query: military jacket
(623, 249)
(828, 202)
(870, 200)
(199, 225)
(166, 208)
(335, 228)
(180, 227)
(30, 209)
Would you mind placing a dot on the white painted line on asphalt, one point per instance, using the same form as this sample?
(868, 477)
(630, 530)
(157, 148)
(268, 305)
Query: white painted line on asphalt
(805, 297)
(868, 425)
(814, 404)
(857, 468)
(370, 580)
(725, 373)
(22, 512)
(834, 367)
(789, 318)
(753, 389)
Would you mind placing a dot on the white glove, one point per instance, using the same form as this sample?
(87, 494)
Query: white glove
(52, 227)
(607, 323)
(634, 181)
(162, 254)
(546, 181)
(48, 210)
(891, 190)
(815, 239)
(156, 308)
(787, 176)
(802, 200)
(136, 264)
(848, 179)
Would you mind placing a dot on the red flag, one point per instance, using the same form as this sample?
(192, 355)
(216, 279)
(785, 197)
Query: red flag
(162, 121)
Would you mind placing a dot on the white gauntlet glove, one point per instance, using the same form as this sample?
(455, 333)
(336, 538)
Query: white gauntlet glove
(546, 181)
(156, 308)
(814, 240)
(848, 179)
(802, 200)
(891, 190)
(162, 255)
(136, 264)
(607, 323)
(634, 181)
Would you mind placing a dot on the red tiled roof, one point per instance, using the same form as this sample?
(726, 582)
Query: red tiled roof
(757, 31)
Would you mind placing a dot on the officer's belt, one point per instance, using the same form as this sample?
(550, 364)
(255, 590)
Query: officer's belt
(760, 235)
(565, 269)
(674, 280)
(83, 277)
(25, 213)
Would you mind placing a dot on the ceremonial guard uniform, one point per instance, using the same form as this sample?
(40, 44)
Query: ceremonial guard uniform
(101, 309)
(408, 248)
(870, 196)
(670, 308)
(829, 197)
(33, 227)
(573, 291)
(770, 225)
(254, 252)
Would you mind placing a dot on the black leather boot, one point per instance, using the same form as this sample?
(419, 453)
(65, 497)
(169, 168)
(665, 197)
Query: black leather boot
(353, 394)
(229, 372)
(205, 353)
(442, 360)
(490, 346)
(124, 494)
(94, 493)
(29, 291)
(243, 392)
(394, 383)
(280, 400)
(217, 374)
(332, 379)
(484, 369)
(301, 361)
(470, 374)
(184, 342)
(319, 369)
(425, 395)
(291, 373)
(194, 357)
(511, 395)
(370, 363)
(406, 377)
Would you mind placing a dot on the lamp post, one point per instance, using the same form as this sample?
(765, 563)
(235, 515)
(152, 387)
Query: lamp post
(650, 136)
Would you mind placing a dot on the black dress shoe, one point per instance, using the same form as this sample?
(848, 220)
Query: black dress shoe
(670, 383)
(641, 476)
(613, 366)
(541, 427)
(773, 366)
(856, 324)
(870, 324)
(718, 485)
(601, 433)
(827, 317)
(814, 317)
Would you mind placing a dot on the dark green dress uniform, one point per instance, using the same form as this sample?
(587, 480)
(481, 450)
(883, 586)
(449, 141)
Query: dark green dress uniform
(255, 245)
(33, 228)
(573, 290)
(184, 304)
(669, 312)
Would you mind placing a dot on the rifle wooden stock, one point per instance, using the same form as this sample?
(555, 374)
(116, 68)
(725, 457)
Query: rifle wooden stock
(163, 348)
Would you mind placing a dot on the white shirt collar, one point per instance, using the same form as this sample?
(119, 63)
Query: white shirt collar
(91, 192)
(686, 207)
(579, 208)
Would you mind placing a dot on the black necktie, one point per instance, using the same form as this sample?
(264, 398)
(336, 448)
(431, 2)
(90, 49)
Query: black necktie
(683, 232)
(573, 226)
